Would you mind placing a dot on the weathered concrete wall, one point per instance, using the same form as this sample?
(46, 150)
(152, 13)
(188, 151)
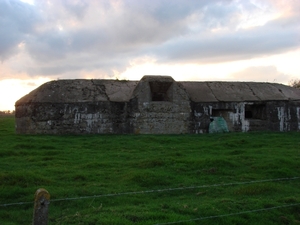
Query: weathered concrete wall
(79, 118)
(76, 106)
(249, 116)
(156, 105)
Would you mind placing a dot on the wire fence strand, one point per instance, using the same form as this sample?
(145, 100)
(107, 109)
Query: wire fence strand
(229, 214)
(157, 190)
(16, 203)
(175, 189)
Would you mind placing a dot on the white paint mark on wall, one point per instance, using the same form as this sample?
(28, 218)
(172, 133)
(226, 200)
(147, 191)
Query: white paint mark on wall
(280, 114)
(298, 117)
(238, 117)
(234, 118)
(77, 117)
(210, 110)
(196, 114)
(90, 119)
(206, 110)
(245, 125)
(289, 117)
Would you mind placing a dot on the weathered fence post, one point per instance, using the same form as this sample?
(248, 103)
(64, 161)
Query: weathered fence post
(41, 203)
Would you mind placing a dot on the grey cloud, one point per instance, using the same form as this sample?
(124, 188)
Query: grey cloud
(232, 44)
(17, 21)
(20, 15)
(237, 45)
(134, 26)
(101, 35)
(78, 63)
(77, 8)
(166, 11)
(123, 36)
(48, 46)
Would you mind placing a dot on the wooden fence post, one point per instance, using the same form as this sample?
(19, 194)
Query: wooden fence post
(41, 203)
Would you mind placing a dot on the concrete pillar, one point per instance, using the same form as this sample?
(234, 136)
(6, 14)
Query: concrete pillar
(41, 203)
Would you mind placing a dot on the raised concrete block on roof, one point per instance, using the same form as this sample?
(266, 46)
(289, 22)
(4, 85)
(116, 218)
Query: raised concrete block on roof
(162, 106)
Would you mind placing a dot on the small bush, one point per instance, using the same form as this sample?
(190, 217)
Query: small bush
(295, 83)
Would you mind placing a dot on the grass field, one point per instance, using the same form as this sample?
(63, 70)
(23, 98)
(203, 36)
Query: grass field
(117, 168)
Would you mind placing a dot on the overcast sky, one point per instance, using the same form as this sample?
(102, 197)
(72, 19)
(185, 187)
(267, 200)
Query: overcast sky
(241, 40)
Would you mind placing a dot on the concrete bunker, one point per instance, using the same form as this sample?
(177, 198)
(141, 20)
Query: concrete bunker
(156, 105)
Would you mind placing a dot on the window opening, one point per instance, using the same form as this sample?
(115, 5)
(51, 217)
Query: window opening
(158, 97)
(221, 112)
(159, 91)
(255, 111)
(248, 114)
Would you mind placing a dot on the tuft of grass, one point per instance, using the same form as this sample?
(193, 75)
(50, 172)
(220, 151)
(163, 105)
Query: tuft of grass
(144, 164)
(257, 189)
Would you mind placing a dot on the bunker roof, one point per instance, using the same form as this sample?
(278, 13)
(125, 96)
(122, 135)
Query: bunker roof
(81, 90)
(239, 91)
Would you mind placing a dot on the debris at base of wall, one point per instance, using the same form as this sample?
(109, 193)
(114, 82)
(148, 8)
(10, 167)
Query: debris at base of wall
(218, 125)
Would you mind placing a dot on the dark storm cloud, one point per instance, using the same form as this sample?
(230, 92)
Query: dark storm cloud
(65, 36)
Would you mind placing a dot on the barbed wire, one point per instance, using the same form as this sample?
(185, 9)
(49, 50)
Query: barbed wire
(229, 214)
(157, 190)
(17, 203)
(173, 189)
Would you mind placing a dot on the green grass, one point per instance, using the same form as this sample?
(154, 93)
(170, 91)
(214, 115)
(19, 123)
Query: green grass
(76, 166)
